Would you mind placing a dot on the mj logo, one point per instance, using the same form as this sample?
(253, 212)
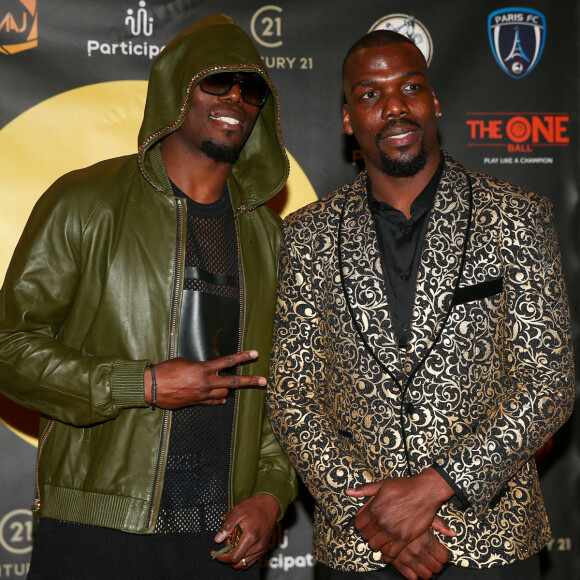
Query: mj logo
(517, 37)
(18, 26)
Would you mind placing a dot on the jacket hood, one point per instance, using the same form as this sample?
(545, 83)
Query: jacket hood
(212, 44)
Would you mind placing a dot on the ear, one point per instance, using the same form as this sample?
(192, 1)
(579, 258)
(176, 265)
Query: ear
(346, 120)
(437, 105)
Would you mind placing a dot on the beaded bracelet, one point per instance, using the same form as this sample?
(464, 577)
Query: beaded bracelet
(153, 388)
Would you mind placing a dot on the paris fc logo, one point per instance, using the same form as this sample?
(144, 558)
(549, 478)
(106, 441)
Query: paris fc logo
(517, 37)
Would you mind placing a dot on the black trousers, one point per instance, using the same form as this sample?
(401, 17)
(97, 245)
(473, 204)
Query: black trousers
(525, 570)
(65, 551)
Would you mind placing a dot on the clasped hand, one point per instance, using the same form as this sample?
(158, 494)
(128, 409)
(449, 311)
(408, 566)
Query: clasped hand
(398, 518)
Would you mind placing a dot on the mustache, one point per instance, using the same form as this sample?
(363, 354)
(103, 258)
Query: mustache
(394, 123)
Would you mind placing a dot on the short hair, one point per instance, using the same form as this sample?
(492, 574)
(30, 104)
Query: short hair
(379, 37)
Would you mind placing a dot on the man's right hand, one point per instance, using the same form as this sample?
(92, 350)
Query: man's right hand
(421, 558)
(400, 510)
(182, 383)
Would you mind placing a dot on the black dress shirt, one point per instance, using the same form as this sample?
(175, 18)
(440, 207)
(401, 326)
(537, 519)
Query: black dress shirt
(400, 242)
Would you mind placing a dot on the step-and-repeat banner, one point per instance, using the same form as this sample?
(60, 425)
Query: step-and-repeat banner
(73, 76)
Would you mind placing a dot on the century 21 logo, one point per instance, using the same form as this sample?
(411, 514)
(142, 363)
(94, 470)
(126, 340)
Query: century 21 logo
(18, 27)
(266, 26)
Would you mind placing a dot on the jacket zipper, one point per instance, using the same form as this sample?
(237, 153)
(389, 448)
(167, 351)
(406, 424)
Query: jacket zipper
(171, 354)
(239, 370)
(36, 505)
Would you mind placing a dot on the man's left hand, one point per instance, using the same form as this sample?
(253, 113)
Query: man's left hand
(256, 516)
(421, 558)
(400, 511)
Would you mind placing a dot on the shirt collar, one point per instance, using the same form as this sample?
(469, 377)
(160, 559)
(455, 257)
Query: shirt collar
(421, 204)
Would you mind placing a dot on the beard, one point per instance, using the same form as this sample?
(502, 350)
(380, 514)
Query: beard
(406, 165)
(221, 153)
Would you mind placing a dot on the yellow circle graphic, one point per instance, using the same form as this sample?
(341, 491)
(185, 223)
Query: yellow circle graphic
(66, 132)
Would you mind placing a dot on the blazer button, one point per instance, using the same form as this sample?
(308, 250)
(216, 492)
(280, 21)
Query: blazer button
(409, 408)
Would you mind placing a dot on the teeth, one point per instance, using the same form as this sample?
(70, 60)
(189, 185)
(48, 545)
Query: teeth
(402, 136)
(229, 120)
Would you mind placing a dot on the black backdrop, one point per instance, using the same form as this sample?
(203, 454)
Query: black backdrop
(73, 74)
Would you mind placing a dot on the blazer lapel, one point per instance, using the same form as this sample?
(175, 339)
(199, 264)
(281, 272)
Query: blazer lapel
(441, 259)
(363, 279)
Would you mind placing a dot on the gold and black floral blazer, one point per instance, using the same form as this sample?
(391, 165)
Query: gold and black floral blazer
(487, 380)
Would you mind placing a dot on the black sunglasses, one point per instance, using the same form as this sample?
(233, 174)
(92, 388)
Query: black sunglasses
(253, 87)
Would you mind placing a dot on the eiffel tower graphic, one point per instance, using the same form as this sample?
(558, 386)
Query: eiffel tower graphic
(517, 51)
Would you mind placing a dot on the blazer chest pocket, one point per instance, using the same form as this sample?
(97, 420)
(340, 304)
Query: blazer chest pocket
(477, 291)
(344, 433)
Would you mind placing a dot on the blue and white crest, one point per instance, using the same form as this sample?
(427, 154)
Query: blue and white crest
(517, 37)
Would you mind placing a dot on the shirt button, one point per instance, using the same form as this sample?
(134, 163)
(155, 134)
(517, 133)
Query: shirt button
(405, 327)
(404, 277)
(409, 408)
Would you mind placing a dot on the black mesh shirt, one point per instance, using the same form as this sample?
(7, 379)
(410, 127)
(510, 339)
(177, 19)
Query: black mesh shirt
(195, 490)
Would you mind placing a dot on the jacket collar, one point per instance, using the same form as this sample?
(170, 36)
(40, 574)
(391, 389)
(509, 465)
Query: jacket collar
(438, 276)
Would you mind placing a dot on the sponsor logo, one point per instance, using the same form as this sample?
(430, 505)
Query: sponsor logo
(266, 26)
(139, 23)
(410, 27)
(518, 133)
(18, 26)
(282, 561)
(16, 531)
(517, 37)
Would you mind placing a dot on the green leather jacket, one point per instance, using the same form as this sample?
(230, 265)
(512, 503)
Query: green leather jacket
(93, 293)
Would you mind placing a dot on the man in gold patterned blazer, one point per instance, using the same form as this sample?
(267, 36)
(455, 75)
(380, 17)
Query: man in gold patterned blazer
(422, 351)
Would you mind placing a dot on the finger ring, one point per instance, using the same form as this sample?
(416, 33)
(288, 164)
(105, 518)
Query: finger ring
(243, 562)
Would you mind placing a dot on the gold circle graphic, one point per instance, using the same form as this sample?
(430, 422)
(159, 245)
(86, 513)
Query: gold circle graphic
(68, 131)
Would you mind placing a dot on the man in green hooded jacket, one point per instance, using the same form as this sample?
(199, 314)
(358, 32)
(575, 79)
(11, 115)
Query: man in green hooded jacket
(137, 319)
